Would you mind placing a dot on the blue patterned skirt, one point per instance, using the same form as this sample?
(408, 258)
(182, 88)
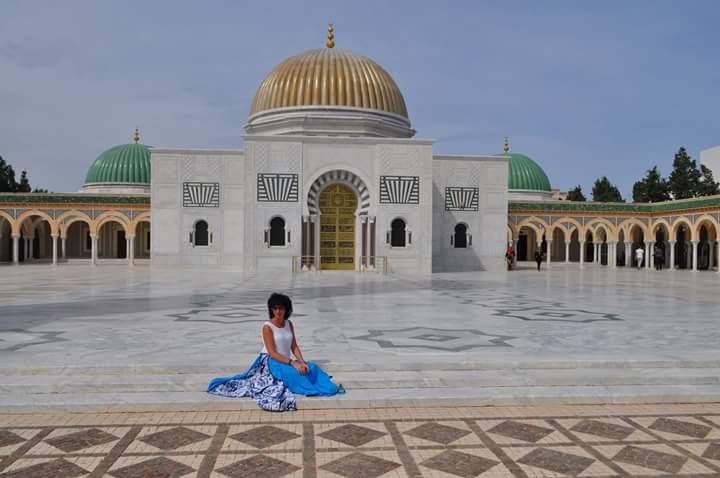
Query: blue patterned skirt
(273, 384)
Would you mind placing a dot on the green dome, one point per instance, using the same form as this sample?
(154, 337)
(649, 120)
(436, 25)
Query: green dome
(123, 164)
(525, 174)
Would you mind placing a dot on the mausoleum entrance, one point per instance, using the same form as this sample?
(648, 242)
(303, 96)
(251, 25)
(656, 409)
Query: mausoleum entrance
(338, 206)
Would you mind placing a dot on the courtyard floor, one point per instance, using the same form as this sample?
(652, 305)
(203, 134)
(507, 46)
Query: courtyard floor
(111, 337)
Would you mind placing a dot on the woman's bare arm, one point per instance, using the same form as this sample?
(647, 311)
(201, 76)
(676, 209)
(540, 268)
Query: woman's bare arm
(295, 348)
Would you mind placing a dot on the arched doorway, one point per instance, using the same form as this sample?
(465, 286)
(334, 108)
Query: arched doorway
(683, 257)
(112, 242)
(338, 205)
(141, 247)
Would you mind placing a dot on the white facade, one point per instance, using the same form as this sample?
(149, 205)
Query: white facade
(239, 221)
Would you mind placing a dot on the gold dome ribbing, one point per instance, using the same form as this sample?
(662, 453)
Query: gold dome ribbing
(329, 77)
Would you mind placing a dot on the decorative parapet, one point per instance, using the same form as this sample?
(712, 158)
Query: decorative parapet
(569, 207)
(64, 199)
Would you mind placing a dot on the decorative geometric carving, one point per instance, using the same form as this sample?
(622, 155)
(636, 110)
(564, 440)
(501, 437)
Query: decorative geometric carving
(277, 187)
(352, 435)
(521, 431)
(201, 195)
(437, 432)
(160, 466)
(259, 465)
(173, 438)
(359, 465)
(556, 461)
(264, 436)
(338, 176)
(83, 439)
(460, 464)
(461, 199)
(56, 468)
(399, 190)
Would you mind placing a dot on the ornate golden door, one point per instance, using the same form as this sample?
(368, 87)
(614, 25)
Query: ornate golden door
(337, 227)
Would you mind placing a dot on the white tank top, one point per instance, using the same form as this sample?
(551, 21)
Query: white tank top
(283, 337)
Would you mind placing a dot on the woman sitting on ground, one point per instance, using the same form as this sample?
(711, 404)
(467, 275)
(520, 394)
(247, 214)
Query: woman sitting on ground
(280, 370)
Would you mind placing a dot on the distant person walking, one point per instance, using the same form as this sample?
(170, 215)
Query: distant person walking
(639, 253)
(659, 258)
(538, 258)
(510, 257)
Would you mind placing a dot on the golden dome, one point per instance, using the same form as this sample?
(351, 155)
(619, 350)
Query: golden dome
(329, 77)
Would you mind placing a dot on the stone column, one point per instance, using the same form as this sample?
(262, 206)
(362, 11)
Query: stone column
(612, 254)
(567, 252)
(628, 256)
(93, 249)
(651, 258)
(366, 241)
(548, 259)
(16, 248)
(672, 254)
(316, 252)
(27, 248)
(711, 254)
(63, 248)
(647, 255)
(130, 247)
(54, 238)
(694, 254)
(582, 253)
(596, 256)
(717, 254)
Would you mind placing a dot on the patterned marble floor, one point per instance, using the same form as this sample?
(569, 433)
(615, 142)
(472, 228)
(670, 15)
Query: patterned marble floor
(601, 441)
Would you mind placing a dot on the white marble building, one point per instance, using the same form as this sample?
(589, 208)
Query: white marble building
(331, 177)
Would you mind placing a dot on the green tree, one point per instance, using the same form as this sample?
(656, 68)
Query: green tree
(684, 180)
(576, 194)
(24, 185)
(652, 188)
(605, 191)
(8, 182)
(707, 185)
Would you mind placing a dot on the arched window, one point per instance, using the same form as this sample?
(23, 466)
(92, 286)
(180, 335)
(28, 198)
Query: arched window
(200, 234)
(277, 231)
(397, 233)
(460, 236)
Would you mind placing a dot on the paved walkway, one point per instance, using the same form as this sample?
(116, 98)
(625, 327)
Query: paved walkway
(77, 337)
(600, 441)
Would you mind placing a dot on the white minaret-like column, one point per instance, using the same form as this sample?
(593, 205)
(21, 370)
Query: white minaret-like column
(672, 255)
(130, 250)
(548, 259)
(16, 248)
(54, 238)
(694, 254)
(567, 252)
(582, 253)
(93, 249)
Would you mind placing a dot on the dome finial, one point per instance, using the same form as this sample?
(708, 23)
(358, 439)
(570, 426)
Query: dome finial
(506, 146)
(331, 36)
(136, 136)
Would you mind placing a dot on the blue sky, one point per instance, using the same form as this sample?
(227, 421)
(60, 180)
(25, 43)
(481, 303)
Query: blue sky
(584, 88)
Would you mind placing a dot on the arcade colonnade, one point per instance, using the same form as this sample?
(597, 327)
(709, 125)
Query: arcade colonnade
(684, 234)
(68, 227)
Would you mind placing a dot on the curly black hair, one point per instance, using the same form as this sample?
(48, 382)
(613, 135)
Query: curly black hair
(280, 299)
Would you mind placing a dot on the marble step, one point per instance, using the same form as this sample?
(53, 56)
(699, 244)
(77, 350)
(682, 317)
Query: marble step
(400, 364)
(377, 380)
(366, 398)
